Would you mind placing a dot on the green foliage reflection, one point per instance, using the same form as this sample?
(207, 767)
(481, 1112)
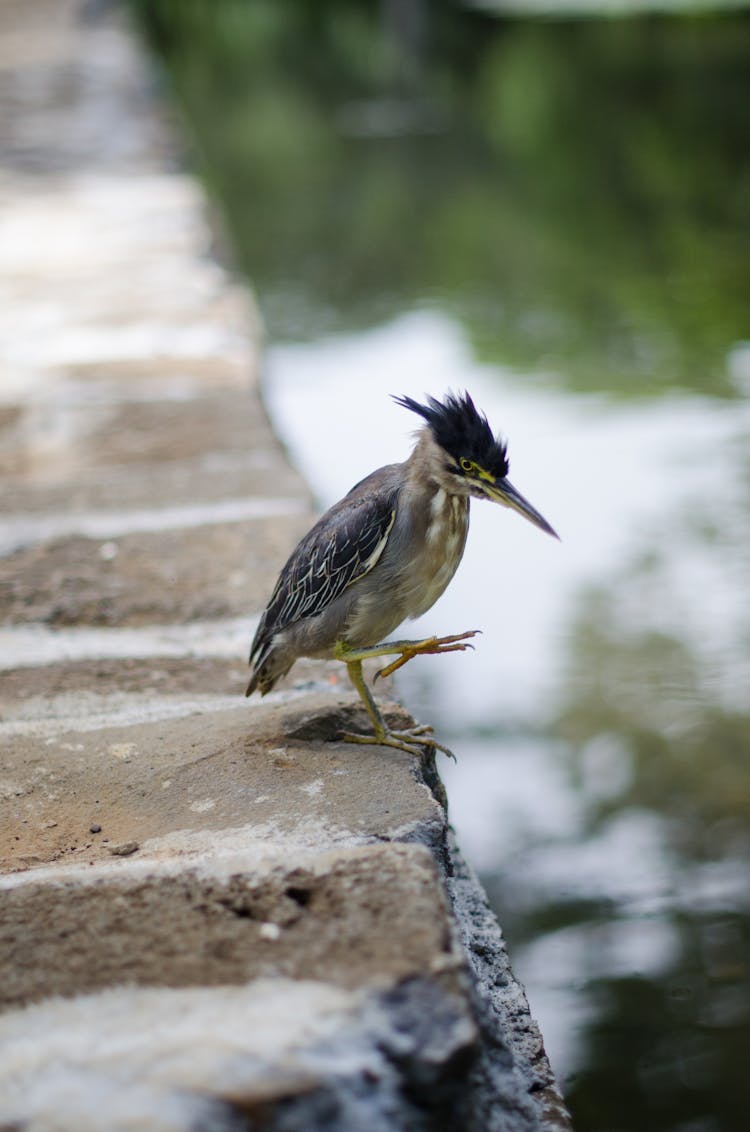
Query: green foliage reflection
(577, 193)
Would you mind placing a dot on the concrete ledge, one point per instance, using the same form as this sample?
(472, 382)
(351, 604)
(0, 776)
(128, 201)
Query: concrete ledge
(216, 915)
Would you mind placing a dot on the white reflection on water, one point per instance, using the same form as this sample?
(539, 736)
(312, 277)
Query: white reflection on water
(620, 481)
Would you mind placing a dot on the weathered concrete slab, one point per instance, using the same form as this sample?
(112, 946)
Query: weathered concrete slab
(179, 785)
(351, 919)
(46, 685)
(210, 478)
(201, 572)
(60, 451)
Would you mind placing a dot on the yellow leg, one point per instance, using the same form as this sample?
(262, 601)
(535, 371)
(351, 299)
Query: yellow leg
(419, 736)
(410, 741)
(405, 650)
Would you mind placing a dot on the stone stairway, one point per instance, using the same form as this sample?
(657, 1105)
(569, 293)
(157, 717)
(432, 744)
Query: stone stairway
(213, 915)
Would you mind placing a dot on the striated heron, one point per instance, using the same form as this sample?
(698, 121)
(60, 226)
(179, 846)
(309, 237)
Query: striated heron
(384, 554)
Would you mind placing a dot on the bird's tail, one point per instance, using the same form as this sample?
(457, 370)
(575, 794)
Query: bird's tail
(267, 668)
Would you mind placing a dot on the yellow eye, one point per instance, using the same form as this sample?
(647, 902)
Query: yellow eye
(466, 464)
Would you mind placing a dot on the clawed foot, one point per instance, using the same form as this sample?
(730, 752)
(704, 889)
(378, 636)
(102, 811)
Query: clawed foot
(431, 645)
(415, 740)
(411, 741)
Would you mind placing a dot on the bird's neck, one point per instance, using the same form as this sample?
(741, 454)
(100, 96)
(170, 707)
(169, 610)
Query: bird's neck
(430, 492)
(435, 520)
(425, 469)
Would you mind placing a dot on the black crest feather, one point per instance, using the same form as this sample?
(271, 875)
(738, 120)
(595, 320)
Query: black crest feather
(462, 430)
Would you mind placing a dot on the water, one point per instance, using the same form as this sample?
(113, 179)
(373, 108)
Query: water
(556, 216)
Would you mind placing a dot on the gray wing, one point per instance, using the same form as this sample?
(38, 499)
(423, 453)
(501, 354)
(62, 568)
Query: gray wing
(343, 546)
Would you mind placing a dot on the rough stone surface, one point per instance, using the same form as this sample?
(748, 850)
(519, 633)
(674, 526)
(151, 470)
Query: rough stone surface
(349, 918)
(501, 1005)
(201, 779)
(215, 570)
(214, 914)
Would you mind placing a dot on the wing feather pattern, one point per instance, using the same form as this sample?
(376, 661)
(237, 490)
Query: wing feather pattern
(342, 547)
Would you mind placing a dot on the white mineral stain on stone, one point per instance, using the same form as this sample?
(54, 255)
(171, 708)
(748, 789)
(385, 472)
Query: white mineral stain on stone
(253, 845)
(98, 712)
(11, 789)
(313, 788)
(76, 345)
(121, 750)
(203, 806)
(22, 646)
(23, 530)
(141, 1054)
(270, 931)
(252, 848)
(88, 711)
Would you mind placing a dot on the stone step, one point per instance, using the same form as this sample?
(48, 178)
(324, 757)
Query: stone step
(177, 772)
(202, 572)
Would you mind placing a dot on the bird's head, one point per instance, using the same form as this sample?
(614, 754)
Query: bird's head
(473, 461)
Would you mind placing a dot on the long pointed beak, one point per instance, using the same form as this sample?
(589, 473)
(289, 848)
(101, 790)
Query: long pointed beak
(505, 493)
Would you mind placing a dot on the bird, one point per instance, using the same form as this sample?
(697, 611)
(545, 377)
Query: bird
(384, 554)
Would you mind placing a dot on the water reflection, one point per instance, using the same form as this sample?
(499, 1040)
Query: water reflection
(556, 216)
(575, 192)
